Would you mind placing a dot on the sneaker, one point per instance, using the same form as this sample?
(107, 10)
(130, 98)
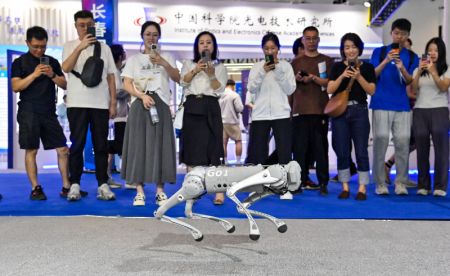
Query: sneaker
(335, 178)
(130, 186)
(139, 200)
(160, 199)
(381, 190)
(400, 189)
(113, 184)
(74, 192)
(309, 185)
(411, 184)
(65, 191)
(439, 193)
(423, 192)
(104, 193)
(287, 196)
(38, 193)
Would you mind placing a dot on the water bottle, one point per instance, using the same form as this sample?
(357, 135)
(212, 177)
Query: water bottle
(154, 114)
(111, 130)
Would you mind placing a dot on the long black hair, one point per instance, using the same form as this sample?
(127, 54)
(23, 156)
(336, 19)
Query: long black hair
(215, 52)
(441, 63)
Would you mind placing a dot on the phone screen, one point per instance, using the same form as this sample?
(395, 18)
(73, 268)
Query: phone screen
(91, 31)
(303, 73)
(270, 60)
(44, 60)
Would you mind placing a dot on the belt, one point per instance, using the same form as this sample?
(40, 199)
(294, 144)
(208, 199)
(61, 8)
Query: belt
(150, 92)
(352, 102)
(200, 96)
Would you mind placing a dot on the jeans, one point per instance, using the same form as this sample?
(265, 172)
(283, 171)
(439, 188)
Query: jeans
(354, 126)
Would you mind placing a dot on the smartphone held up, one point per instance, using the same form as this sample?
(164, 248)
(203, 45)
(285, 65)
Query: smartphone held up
(44, 60)
(91, 30)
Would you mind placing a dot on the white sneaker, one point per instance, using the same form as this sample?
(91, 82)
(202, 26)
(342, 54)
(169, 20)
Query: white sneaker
(400, 189)
(74, 192)
(113, 184)
(130, 186)
(381, 190)
(139, 200)
(105, 193)
(161, 199)
(287, 196)
(439, 193)
(423, 192)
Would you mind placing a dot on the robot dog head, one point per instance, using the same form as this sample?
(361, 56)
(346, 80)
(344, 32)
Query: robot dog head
(293, 175)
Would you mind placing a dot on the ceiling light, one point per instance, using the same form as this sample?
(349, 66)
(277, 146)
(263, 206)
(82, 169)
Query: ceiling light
(367, 4)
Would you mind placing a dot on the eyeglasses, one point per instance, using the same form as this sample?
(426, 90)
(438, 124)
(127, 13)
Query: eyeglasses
(37, 47)
(83, 26)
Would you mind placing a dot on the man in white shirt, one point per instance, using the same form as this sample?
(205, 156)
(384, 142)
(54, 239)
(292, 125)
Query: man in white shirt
(88, 106)
(231, 106)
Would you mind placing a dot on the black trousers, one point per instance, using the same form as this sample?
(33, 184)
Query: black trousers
(79, 121)
(259, 135)
(432, 122)
(310, 134)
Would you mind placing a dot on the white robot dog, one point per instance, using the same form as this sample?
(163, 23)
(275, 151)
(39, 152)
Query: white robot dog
(260, 181)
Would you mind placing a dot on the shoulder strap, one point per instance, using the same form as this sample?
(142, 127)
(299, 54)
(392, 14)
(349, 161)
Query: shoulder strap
(97, 49)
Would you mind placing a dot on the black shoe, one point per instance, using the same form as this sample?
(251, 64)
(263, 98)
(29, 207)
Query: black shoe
(298, 191)
(335, 178)
(65, 191)
(323, 189)
(344, 195)
(38, 194)
(361, 196)
(309, 185)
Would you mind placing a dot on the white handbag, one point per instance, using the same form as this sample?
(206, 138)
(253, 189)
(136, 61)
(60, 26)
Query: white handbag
(178, 121)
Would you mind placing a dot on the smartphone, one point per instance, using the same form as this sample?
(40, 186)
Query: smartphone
(425, 58)
(154, 47)
(269, 59)
(206, 56)
(303, 73)
(395, 47)
(352, 64)
(44, 60)
(91, 31)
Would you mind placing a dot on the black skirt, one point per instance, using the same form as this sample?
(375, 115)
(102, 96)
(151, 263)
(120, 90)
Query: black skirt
(201, 136)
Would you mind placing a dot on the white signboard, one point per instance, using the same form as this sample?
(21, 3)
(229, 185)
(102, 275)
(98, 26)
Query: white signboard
(243, 23)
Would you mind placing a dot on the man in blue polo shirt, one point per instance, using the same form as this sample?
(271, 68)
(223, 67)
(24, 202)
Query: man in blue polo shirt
(394, 66)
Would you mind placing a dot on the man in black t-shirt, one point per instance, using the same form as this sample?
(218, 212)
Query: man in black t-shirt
(33, 76)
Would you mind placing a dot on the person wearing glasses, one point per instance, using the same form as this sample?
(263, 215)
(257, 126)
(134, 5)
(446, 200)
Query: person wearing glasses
(310, 125)
(88, 106)
(34, 76)
(394, 66)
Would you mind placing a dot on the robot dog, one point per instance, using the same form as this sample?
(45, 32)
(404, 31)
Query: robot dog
(259, 180)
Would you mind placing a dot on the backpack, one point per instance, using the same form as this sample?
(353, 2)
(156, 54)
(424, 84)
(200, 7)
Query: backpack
(91, 75)
(411, 56)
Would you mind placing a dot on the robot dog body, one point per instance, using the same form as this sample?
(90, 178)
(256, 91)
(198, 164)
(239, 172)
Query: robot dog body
(260, 181)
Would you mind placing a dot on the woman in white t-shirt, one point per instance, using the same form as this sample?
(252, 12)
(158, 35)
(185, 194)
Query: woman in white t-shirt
(431, 117)
(149, 144)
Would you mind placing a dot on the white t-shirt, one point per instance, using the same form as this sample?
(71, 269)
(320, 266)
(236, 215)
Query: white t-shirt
(78, 94)
(148, 76)
(428, 94)
(271, 90)
(200, 84)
